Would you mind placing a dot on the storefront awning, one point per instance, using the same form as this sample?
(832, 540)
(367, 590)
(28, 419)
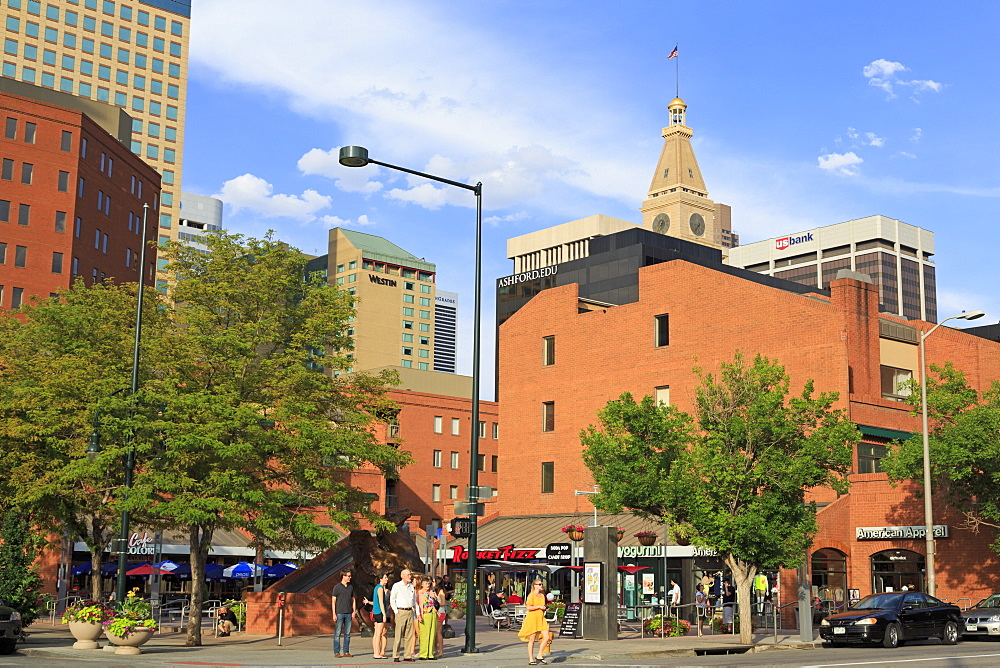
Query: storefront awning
(882, 432)
(537, 531)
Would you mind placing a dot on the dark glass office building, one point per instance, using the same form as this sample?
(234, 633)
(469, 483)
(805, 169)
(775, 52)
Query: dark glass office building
(610, 274)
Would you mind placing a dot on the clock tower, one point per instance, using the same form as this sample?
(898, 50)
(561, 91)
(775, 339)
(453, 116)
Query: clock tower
(678, 204)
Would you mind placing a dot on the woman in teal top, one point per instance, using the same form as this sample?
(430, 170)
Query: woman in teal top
(379, 608)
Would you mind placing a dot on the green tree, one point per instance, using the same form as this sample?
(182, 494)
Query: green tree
(734, 477)
(20, 585)
(249, 432)
(964, 428)
(64, 361)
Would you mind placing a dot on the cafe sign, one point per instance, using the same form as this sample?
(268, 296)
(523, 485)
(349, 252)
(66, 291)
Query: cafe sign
(506, 553)
(894, 533)
(639, 551)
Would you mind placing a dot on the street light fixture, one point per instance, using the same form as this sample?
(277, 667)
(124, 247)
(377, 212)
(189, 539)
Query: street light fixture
(928, 506)
(357, 156)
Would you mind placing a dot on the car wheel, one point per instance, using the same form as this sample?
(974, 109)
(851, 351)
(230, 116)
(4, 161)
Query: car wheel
(891, 637)
(7, 646)
(950, 634)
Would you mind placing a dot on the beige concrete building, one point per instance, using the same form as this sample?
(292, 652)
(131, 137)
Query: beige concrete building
(396, 293)
(677, 203)
(129, 53)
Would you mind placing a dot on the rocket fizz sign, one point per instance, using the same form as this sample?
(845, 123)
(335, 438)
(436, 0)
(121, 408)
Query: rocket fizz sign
(506, 553)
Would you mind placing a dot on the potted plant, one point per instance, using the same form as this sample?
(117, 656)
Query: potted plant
(559, 607)
(132, 625)
(621, 533)
(86, 621)
(646, 537)
(574, 531)
(457, 608)
(673, 628)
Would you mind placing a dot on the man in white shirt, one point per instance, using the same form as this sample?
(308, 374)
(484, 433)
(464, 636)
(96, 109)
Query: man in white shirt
(675, 593)
(403, 601)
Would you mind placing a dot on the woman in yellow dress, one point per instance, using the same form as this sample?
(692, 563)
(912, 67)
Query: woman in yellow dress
(534, 626)
(428, 619)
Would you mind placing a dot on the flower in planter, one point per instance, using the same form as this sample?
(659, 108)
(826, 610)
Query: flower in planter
(674, 627)
(573, 528)
(132, 613)
(93, 612)
(646, 534)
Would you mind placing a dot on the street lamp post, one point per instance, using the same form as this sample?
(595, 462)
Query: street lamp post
(357, 156)
(928, 506)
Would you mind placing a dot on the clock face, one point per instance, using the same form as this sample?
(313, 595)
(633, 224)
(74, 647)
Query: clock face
(697, 224)
(661, 223)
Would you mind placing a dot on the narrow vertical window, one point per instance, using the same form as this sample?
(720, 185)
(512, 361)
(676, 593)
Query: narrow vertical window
(454, 459)
(482, 429)
(60, 221)
(17, 294)
(661, 395)
(455, 426)
(662, 330)
(438, 424)
(435, 493)
(63, 185)
(10, 130)
(21, 256)
(57, 263)
(23, 214)
(66, 144)
(29, 132)
(496, 430)
(548, 477)
(493, 462)
(481, 462)
(549, 416)
(437, 459)
(27, 172)
(548, 350)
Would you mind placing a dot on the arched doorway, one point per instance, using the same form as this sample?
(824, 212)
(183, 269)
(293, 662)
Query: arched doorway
(892, 570)
(829, 575)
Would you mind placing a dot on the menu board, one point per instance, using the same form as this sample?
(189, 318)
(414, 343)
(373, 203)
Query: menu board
(570, 627)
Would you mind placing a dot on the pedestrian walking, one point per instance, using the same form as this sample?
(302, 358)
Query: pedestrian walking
(699, 607)
(344, 607)
(534, 626)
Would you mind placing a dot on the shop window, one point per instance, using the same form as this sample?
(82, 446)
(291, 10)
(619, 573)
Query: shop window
(548, 477)
(894, 383)
(870, 456)
(829, 576)
(548, 350)
(892, 570)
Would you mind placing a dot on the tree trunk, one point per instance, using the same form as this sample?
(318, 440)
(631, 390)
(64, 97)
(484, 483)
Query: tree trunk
(97, 539)
(744, 574)
(200, 541)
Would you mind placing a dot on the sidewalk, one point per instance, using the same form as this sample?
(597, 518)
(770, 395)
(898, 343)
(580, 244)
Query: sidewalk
(496, 648)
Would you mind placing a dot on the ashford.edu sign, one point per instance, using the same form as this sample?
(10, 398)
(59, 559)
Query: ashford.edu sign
(891, 533)
(505, 553)
(532, 275)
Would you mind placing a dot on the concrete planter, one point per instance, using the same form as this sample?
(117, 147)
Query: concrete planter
(86, 634)
(456, 614)
(139, 636)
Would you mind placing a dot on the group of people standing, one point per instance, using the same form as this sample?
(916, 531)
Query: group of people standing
(418, 604)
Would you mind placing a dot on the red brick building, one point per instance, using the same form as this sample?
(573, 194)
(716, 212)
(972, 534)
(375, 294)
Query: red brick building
(561, 359)
(71, 194)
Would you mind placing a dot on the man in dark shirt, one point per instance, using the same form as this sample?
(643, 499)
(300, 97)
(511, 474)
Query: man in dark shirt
(227, 619)
(496, 602)
(343, 611)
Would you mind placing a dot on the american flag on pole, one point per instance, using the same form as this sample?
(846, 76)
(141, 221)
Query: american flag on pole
(673, 54)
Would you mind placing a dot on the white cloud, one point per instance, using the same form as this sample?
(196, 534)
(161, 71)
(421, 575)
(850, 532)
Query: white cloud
(841, 163)
(425, 195)
(917, 134)
(326, 163)
(337, 221)
(884, 74)
(514, 217)
(871, 139)
(445, 97)
(906, 154)
(249, 192)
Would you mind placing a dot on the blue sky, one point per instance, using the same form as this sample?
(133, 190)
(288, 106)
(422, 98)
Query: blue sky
(805, 114)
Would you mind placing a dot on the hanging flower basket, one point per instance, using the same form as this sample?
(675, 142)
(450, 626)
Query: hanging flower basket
(621, 534)
(574, 531)
(646, 538)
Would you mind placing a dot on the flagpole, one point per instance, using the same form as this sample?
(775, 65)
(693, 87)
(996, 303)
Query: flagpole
(677, 73)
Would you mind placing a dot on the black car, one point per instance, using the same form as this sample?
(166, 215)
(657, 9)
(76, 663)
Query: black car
(10, 628)
(892, 619)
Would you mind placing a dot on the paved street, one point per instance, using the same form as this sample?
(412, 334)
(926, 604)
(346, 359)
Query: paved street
(51, 646)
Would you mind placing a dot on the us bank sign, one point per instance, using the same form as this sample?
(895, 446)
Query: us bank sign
(892, 533)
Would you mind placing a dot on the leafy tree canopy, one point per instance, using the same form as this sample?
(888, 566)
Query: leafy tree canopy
(733, 478)
(964, 428)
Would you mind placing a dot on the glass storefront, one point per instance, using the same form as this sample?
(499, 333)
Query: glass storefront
(829, 576)
(894, 570)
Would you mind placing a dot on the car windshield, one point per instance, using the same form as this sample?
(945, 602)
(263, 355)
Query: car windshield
(990, 602)
(878, 602)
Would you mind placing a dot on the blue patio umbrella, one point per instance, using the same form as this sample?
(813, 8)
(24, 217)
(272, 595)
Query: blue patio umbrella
(82, 569)
(241, 570)
(167, 565)
(212, 571)
(279, 570)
